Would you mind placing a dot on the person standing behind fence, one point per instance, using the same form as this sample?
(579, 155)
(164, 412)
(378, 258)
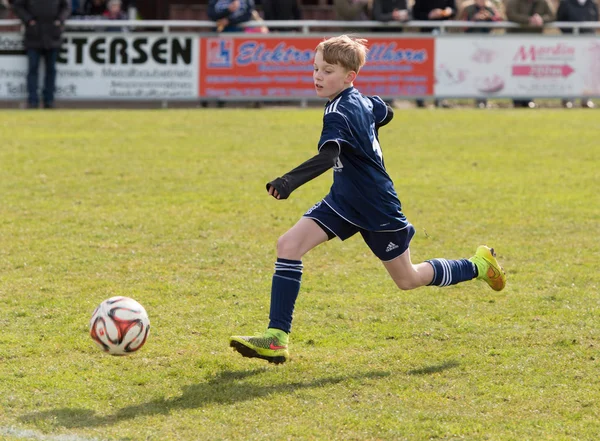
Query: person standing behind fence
(433, 10)
(480, 11)
(281, 10)
(229, 14)
(577, 10)
(531, 15)
(44, 24)
(390, 11)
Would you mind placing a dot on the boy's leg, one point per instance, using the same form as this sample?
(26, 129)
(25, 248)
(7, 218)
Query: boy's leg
(272, 346)
(406, 275)
(443, 272)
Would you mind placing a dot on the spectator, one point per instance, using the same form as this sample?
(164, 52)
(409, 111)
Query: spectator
(113, 11)
(390, 11)
(352, 10)
(257, 29)
(281, 10)
(44, 24)
(480, 11)
(435, 10)
(229, 14)
(577, 10)
(94, 8)
(531, 15)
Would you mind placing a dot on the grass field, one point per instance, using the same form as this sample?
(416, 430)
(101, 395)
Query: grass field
(169, 207)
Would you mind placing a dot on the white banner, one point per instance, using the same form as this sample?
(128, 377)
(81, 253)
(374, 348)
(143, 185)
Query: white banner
(517, 66)
(110, 66)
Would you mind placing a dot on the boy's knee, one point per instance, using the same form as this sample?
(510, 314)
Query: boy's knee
(286, 247)
(406, 284)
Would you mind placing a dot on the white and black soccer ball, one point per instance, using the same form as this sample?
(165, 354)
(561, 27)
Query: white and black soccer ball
(119, 326)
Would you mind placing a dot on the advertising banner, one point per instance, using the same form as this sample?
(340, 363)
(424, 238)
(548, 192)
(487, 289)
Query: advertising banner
(236, 67)
(180, 67)
(517, 66)
(110, 66)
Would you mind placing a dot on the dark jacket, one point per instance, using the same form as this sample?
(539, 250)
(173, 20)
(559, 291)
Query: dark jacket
(571, 10)
(44, 34)
(383, 9)
(422, 8)
(519, 11)
(90, 8)
(218, 9)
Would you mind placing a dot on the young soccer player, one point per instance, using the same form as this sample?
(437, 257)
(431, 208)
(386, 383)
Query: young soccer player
(362, 200)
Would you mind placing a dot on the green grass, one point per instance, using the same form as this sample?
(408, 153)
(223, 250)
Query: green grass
(169, 207)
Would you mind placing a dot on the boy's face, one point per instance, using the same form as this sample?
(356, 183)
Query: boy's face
(330, 79)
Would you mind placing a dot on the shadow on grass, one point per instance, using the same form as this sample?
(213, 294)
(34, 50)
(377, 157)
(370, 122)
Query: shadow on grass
(434, 369)
(227, 387)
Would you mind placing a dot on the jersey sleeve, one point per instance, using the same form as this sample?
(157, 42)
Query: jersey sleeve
(335, 129)
(380, 109)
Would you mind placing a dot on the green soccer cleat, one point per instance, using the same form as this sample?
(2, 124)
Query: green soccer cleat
(271, 346)
(488, 268)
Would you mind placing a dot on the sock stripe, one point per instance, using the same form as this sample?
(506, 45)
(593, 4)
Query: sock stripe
(284, 266)
(295, 270)
(446, 276)
(450, 272)
(287, 278)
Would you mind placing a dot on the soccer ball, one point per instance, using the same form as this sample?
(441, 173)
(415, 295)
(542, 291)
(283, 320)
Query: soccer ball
(119, 326)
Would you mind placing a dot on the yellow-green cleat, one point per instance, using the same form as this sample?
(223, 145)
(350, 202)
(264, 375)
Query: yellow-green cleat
(488, 268)
(271, 346)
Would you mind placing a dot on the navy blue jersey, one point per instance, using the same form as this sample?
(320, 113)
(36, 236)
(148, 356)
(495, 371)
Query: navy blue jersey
(362, 192)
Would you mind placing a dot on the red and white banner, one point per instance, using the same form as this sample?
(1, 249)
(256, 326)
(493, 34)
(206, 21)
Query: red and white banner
(263, 66)
(517, 66)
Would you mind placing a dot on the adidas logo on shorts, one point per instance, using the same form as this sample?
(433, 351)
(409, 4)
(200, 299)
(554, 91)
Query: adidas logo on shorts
(391, 246)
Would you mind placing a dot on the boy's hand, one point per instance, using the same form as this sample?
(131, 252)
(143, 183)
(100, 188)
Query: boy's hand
(278, 189)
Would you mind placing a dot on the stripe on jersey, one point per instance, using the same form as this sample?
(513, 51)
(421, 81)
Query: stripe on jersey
(332, 107)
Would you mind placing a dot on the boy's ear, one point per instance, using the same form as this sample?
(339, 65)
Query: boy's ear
(350, 76)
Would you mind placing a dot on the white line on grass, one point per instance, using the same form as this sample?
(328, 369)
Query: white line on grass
(14, 432)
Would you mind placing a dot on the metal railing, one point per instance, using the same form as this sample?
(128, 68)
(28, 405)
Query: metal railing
(305, 26)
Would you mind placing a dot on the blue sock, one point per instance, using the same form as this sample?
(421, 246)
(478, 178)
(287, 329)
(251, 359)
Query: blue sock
(451, 272)
(284, 292)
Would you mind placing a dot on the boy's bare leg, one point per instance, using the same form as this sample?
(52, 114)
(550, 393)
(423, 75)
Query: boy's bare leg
(305, 235)
(406, 275)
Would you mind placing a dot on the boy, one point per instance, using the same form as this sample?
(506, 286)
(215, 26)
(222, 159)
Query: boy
(362, 200)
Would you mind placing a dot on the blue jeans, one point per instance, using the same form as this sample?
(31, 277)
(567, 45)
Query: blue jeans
(34, 56)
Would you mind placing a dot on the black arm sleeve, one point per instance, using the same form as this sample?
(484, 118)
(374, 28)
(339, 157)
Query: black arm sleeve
(388, 117)
(315, 166)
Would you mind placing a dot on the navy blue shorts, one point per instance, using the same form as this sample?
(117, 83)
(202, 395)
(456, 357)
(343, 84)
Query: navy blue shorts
(386, 245)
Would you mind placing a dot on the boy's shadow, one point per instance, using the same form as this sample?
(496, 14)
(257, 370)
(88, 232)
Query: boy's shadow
(227, 387)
